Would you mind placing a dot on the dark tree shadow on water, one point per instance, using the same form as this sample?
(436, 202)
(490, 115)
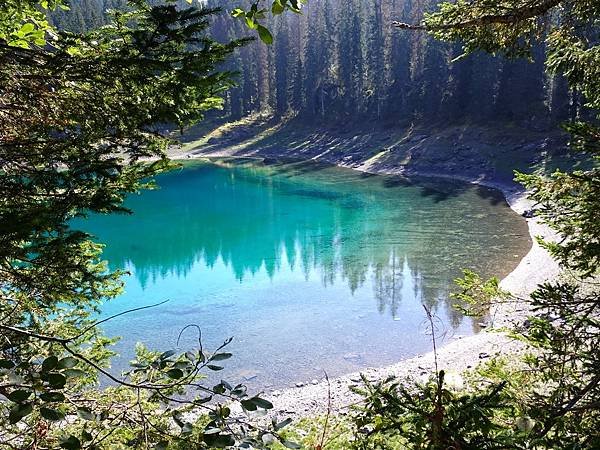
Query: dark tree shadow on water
(367, 175)
(291, 167)
(396, 181)
(438, 189)
(494, 196)
(442, 189)
(445, 191)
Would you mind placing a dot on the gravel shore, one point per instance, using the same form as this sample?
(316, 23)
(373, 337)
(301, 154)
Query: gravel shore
(459, 355)
(312, 397)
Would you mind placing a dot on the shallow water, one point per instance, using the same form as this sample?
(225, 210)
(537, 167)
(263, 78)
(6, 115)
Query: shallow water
(308, 267)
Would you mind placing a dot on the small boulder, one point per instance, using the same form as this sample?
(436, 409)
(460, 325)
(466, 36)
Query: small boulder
(528, 213)
(351, 356)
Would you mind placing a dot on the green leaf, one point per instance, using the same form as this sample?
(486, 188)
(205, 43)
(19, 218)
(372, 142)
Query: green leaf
(86, 436)
(290, 444)
(249, 405)
(67, 363)
(53, 415)
(74, 373)
(167, 354)
(26, 29)
(19, 411)
(262, 403)
(71, 443)
(221, 356)
(225, 412)
(264, 34)
(277, 8)
(56, 380)
(86, 414)
(213, 367)
(219, 440)
(177, 418)
(282, 424)
(202, 400)
(52, 396)
(49, 363)
(175, 373)
(18, 396)
(6, 364)
(250, 23)
(239, 391)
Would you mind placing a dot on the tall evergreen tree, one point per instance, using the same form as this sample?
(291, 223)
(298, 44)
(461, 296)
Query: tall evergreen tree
(340, 60)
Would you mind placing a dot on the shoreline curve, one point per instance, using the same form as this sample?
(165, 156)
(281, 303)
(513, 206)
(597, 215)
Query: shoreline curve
(463, 353)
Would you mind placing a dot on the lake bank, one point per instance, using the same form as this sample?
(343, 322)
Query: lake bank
(469, 150)
(411, 154)
(312, 397)
(461, 354)
(316, 267)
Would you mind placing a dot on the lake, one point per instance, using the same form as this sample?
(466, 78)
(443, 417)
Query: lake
(309, 268)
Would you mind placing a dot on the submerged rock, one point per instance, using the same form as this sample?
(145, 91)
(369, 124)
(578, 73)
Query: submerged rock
(528, 213)
(352, 356)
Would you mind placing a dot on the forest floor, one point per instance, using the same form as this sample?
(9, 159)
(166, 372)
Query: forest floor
(470, 153)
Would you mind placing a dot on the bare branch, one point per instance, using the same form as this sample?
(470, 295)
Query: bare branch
(95, 324)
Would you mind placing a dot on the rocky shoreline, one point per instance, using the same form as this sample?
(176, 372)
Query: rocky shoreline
(314, 397)
(457, 356)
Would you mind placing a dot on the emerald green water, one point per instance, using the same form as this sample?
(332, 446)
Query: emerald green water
(308, 267)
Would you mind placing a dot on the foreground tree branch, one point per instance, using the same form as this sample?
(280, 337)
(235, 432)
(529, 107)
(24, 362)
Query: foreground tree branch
(528, 10)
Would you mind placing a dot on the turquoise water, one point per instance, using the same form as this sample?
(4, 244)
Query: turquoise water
(308, 267)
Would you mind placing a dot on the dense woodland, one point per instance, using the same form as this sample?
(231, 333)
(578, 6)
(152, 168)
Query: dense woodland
(80, 129)
(342, 61)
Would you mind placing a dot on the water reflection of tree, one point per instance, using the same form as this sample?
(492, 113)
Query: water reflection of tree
(323, 223)
(395, 281)
(388, 285)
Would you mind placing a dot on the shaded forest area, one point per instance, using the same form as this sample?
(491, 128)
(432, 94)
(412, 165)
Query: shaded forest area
(342, 62)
